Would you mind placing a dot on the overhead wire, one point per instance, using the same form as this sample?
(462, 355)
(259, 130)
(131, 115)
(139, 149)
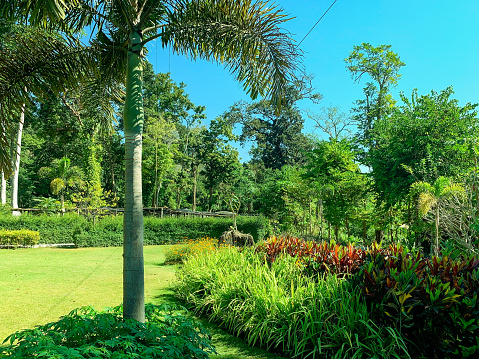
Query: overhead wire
(317, 22)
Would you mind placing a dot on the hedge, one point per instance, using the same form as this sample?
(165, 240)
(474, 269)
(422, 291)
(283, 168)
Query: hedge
(22, 237)
(108, 231)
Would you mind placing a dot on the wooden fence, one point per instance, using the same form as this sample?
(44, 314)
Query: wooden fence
(106, 211)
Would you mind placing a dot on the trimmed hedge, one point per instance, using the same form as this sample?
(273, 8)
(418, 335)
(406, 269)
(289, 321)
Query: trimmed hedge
(22, 237)
(52, 229)
(108, 231)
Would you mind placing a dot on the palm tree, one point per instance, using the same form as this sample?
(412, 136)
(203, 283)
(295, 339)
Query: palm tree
(433, 197)
(34, 56)
(244, 35)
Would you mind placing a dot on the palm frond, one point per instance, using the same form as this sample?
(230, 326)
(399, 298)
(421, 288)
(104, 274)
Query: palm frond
(36, 63)
(246, 36)
(454, 190)
(48, 14)
(426, 202)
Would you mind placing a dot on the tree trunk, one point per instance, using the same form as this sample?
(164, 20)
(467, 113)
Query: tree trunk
(62, 201)
(3, 189)
(210, 200)
(3, 183)
(336, 233)
(195, 175)
(347, 226)
(310, 216)
(321, 217)
(178, 197)
(133, 265)
(155, 187)
(16, 161)
(436, 246)
(365, 231)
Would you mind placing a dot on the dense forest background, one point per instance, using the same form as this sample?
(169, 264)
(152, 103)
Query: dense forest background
(396, 169)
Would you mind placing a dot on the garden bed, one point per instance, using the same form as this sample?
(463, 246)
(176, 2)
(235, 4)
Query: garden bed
(307, 299)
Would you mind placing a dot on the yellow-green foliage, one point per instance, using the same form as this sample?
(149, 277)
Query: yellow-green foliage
(179, 252)
(20, 237)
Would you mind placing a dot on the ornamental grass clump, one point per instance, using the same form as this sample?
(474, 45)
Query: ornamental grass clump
(181, 251)
(274, 305)
(86, 333)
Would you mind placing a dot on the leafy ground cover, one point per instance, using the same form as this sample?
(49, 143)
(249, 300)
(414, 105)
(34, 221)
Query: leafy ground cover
(38, 286)
(86, 333)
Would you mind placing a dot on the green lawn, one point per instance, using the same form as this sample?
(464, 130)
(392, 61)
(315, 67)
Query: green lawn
(39, 285)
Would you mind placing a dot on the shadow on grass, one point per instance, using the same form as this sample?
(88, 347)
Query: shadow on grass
(227, 345)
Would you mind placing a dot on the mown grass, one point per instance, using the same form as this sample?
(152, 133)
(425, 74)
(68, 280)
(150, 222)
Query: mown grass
(39, 285)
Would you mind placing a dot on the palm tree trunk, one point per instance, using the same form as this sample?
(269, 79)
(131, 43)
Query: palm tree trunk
(62, 201)
(133, 266)
(155, 187)
(3, 189)
(3, 182)
(16, 161)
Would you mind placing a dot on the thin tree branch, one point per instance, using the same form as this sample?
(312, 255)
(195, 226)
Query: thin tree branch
(70, 107)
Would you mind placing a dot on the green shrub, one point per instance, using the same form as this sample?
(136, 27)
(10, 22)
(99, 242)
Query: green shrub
(21, 237)
(86, 333)
(432, 301)
(278, 307)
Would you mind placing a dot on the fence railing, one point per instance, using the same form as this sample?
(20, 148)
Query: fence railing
(147, 211)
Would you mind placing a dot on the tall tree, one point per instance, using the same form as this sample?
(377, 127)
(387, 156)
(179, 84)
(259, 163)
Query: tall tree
(340, 182)
(277, 136)
(421, 140)
(245, 36)
(219, 159)
(333, 122)
(159, 142)
(382, 65)
(40, 55)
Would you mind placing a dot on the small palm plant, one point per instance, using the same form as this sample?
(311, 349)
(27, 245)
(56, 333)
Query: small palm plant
(434, 197)
(64, 176)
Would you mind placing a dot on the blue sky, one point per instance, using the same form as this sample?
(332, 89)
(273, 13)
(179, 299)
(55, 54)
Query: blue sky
(438, 41)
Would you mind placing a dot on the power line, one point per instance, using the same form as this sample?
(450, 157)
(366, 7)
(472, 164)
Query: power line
(317, 22)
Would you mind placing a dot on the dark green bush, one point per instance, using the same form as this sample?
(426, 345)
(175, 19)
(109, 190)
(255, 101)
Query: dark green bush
(108, 231)
(86, 333)
(21, 237)
(433, 302)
